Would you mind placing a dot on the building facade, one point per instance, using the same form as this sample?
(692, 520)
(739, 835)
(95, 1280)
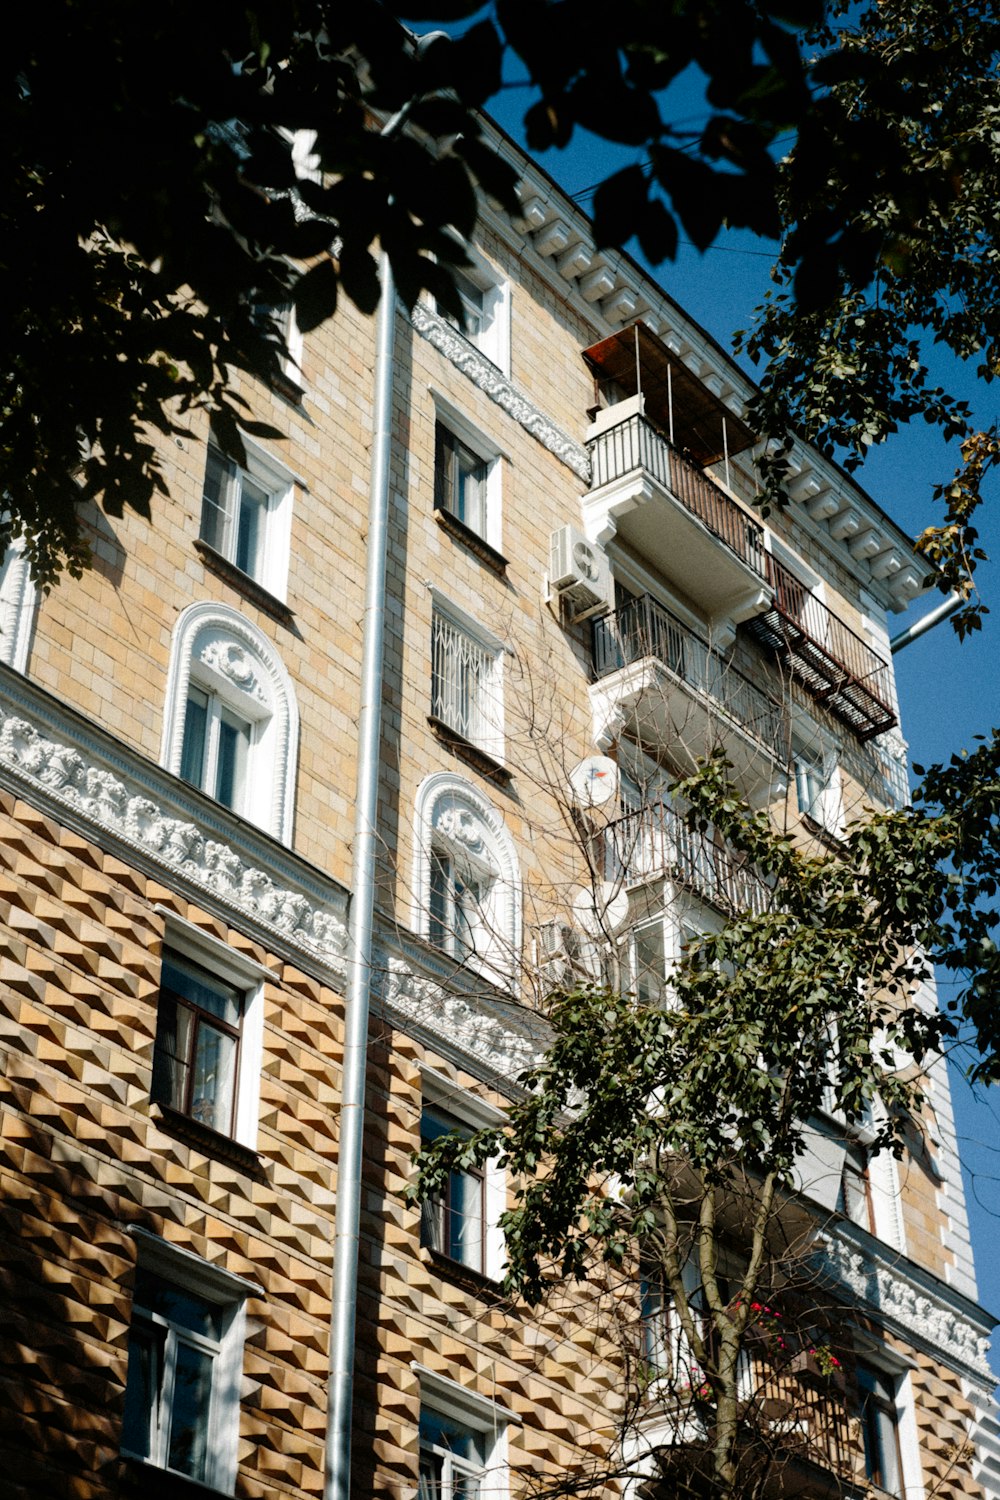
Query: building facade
(578, 589)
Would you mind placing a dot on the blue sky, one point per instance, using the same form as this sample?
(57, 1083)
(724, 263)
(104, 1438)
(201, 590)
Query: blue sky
(949, 690)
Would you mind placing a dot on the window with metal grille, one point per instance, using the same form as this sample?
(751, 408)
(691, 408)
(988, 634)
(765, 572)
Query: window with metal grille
(466, 687)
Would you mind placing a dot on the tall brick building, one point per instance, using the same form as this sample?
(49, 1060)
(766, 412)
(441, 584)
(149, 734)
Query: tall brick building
(574, 571)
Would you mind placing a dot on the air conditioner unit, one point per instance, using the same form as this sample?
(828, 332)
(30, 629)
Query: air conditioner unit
(579, 572)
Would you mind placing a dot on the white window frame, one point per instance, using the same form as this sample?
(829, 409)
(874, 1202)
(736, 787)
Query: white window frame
(813, 749)
(450, 811)
(885, 1206)
(489, 454)
(230, 1293)
(488, 732)
(223, 654)
(278, 483)
(677, 917)
(896, 1369)
(471, 1113)
(210, 953)
(286, 325)
(493, 338)
(476, 1413)
(18, 606)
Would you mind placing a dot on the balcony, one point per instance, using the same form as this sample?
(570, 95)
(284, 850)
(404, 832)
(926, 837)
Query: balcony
(797, 1437)
(659, 681)
(833, 664)
(670, 513)
(655, 843)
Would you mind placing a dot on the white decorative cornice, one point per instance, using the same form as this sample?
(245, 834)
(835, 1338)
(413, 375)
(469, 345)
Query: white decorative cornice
(606, 288)
(82, 779)
(918, 1307)
(466, 1027)
(110, 804)
(484, 374)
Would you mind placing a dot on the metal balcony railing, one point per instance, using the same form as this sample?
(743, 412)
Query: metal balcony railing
(635, 444)
(833, 663)
(654, 842)
(644, 628)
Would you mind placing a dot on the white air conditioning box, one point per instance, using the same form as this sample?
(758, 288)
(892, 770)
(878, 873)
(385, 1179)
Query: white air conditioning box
(579, 572)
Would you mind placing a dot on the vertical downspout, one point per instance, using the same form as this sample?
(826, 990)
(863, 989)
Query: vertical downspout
(346, 1243)
(357, 999)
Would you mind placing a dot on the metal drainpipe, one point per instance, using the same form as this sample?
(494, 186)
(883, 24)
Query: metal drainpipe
(933, 617)
(357, 999)
(347, 1233)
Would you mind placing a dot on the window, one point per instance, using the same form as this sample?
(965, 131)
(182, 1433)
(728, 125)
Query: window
(231, 722)
(879, 1427)
(460, 477)
(463, 1442)
(197, 1044)
(452, 1458)
(484, 296)
(18, 598)
(649, 964)
(280, 319)
(466, 886)
(216, 748)
(666, 1350)
(459, 902)
(817, 778)
(812, 784)
(467, 483)
(246, 516)
(466, 679)
(209, 1033)
(184, 1364)
(454, 1224)
(855, 1189)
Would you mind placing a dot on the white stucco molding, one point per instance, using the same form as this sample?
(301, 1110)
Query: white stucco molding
(216, 646)
(18, 606)
(83, 779)
(911, 1302)
(466, 1028)
(489, 379)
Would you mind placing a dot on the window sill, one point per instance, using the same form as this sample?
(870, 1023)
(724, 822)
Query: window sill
(833, 840)
(289, 389)
(139, 1477)
(249, 587)
(481, 760)
(472, 540)
(204, 1138)
(464, 1276)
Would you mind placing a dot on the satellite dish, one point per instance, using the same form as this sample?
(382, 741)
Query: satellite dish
(594, 782)
(602, 910)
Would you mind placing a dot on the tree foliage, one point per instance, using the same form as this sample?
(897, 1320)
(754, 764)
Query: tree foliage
(641, 1121)
(151, 206)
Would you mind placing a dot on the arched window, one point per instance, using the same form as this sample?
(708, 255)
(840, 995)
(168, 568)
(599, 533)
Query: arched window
(467, 890)
(18, 597)
(231, 725)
